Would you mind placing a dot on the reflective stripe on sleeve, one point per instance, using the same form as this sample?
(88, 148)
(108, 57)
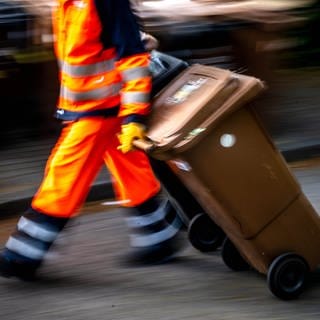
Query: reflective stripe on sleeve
(135, 97)
(36, 230)
(135, 73)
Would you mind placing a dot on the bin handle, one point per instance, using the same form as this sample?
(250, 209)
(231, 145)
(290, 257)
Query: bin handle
(145, 145)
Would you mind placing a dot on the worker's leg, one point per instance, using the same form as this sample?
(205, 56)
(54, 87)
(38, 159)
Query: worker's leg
(72, 166)
(152, 220)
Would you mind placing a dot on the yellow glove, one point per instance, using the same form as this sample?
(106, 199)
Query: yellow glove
(130, 132)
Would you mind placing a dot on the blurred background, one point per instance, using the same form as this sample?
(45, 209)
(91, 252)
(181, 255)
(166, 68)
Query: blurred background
(275, 40)
(271, 39)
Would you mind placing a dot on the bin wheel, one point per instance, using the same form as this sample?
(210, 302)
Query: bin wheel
(287, 276)
(232, 258)
(204, 234)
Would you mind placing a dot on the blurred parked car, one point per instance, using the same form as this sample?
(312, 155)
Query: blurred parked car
(14, 22)
(307, 49)
(28, 72)
(234, 34)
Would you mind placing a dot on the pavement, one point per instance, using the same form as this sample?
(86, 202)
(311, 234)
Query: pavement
(289, 110)
(83, 279)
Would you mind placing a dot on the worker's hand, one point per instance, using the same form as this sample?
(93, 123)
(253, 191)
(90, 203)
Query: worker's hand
(149, 41)
(130, 132)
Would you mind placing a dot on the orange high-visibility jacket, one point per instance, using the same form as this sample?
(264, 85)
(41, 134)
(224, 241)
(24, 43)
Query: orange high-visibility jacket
(103, 63)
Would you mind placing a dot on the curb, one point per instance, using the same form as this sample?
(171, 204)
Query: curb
(104, 191)
(100, 191)
(304, 153)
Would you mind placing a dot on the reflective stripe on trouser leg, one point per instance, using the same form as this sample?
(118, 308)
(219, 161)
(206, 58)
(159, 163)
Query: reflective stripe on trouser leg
(153, 223)
(35, 233)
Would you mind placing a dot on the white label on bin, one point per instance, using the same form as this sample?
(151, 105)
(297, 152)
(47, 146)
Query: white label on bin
(182, 165)
(185, 91)
(228, 140)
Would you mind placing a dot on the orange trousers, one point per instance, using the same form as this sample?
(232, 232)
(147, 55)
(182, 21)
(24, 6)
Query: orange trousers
(80, 152)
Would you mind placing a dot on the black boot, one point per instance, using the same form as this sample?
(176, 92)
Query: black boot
(155, 232)
(27, 246)
(18, 267)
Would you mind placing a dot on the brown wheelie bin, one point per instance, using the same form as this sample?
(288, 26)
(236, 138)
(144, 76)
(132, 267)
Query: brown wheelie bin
(203, 126)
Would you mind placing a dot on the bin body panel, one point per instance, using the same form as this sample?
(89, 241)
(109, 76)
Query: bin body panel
(296, 230)
(249, 178)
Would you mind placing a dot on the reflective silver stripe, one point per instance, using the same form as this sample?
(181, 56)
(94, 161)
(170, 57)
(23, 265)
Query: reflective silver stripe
(87, 70)
(137, 240)
(25, 249)
(135, 97)
(36, 230)
(95, 94)
(148, 219)
(135, 73)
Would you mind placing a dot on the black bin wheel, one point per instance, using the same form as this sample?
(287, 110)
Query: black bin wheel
(232, 257)
(287, 276)
(204, 234)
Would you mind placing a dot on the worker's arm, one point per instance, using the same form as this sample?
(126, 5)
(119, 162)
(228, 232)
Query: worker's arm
(121, 31)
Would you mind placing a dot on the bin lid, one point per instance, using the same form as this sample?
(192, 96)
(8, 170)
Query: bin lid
(194, 102)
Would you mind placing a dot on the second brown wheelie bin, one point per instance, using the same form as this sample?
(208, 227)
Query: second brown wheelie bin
(203, 126)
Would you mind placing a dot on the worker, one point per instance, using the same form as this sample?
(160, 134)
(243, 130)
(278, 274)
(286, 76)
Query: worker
(103, 104)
